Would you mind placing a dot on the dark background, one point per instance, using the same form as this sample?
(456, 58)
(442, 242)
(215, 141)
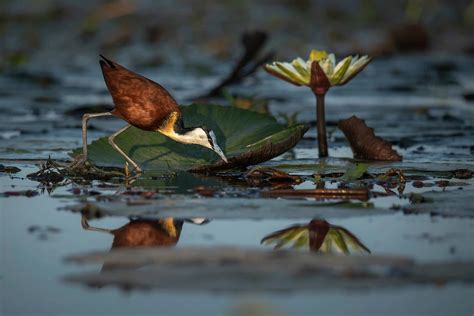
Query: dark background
(47, 34)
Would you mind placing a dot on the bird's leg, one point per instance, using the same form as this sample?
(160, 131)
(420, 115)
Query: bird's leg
(128, 178)
(117, 148)
(86, 118)
(86, 226)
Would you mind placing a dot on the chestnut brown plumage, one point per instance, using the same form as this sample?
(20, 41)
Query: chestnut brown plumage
(145, 104)
(140, 101)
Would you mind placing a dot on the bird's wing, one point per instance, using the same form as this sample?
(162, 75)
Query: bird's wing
(139, 100)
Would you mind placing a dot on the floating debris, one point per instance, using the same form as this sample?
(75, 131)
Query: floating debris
(9, 169)
(358, 194)
(260, 176)
(27, 193)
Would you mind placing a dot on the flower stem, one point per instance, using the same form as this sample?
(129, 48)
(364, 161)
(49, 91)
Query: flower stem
(321, 125)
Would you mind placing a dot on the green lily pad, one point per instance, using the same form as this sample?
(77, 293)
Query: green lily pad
(246, 137)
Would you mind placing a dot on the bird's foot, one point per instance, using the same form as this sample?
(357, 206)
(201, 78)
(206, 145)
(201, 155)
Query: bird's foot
(129, 177)
(128, 172)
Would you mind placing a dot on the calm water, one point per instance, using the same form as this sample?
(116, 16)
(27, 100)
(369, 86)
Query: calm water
(407, 100)
(33, 263)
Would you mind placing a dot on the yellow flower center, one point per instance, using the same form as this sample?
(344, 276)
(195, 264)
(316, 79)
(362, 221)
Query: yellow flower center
(317, 55)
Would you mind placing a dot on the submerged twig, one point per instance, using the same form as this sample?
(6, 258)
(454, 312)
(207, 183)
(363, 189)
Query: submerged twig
(360, 194)
(53, 173)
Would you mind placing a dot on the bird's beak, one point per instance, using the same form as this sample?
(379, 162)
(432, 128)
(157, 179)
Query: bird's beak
(219, 151)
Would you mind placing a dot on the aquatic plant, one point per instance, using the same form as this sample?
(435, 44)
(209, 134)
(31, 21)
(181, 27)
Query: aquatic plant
(320, 72)
(262, 139)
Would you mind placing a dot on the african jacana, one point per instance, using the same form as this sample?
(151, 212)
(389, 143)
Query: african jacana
(145, 104)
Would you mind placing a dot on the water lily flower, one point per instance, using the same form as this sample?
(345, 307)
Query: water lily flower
(318, 236)
(298, 72)
(320, 72)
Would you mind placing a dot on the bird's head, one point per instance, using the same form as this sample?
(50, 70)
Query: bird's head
(204, 137)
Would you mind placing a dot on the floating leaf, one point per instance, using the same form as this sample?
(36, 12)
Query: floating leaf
(354, 172)
(260, 175)
(364, 143)
(246, 137)
(9, 169)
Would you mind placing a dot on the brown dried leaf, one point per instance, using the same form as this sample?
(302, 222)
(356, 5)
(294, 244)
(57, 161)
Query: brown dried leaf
(364, 143)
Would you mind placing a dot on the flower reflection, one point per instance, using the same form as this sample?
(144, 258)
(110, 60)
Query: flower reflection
(319, 236)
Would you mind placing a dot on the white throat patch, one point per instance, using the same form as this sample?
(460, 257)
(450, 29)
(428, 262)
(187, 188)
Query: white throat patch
(196, 136)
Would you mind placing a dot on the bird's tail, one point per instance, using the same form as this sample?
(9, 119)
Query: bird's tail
(107, 62)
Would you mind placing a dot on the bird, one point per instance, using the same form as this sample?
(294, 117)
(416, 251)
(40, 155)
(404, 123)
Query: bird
(146, 105)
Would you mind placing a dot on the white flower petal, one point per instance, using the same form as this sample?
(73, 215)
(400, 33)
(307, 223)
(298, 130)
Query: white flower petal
(332, 57)
(355, 68)
(354, 60)
(283, 74)
(328, 67)
(301, 66)
(340, 70)
(291, 72)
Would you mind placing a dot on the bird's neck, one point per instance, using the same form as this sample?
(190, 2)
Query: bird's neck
(173, 128)
(184, 138)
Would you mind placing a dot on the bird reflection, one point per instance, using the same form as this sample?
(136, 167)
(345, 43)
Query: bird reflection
(164, 232)
(317, 236)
